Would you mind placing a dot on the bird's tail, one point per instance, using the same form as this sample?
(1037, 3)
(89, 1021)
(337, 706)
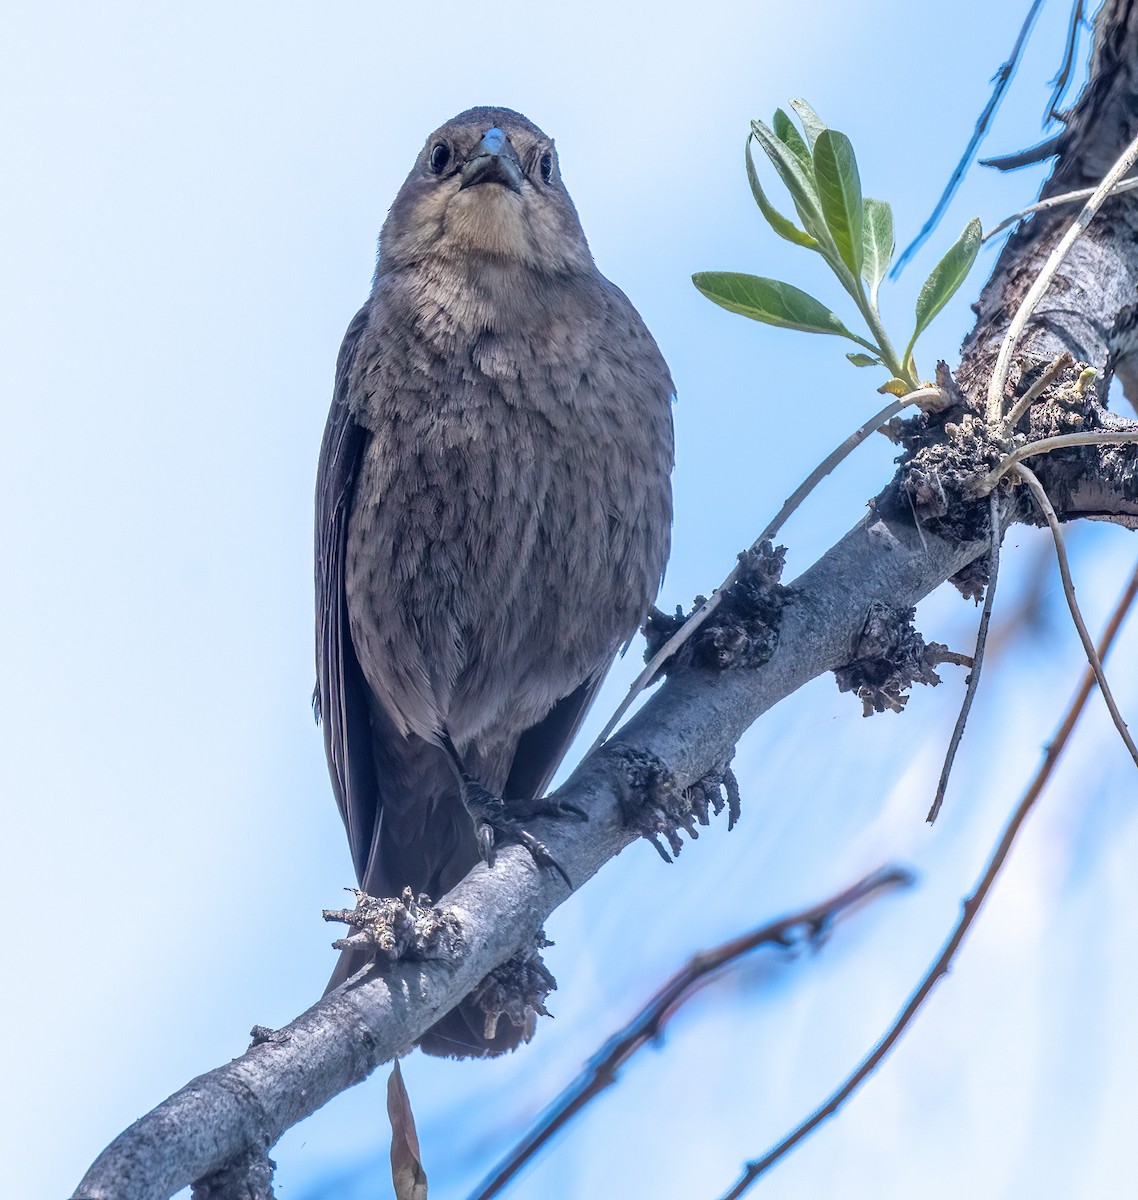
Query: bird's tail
(462, 1033)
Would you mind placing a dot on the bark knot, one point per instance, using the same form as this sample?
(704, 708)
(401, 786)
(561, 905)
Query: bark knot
(405, 927)
(515, 990)
(890, 657)
(658, 808)
(743, 630)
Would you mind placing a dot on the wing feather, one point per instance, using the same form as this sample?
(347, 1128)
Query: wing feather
(341, 692)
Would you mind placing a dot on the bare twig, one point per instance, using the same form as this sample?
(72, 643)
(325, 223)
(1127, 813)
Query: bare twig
(977, 662)
(1045, 507)
(956, 659)
(1063, 75)
(1002, 78)
(601, 1070)
(1093, 437)
(1036, 390)
(1127, 185)
(1016, 161)
(1043, 280)
(971, 910)
(926, 397)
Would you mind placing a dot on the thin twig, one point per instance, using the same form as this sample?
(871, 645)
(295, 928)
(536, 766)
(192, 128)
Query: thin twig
(1063, 75)
(1044, 504)
(1002, 78)
(926, 397)
(602, 1068)
(1016, 161)
(971, 910)
(977, 661)
(1036, 390)
(951, 656)
(1127, 185)
(1092, 437)
(1043, 280)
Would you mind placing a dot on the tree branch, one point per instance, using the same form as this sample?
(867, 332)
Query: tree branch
(686, 730)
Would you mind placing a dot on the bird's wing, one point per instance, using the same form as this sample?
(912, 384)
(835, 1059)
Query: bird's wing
(341, 691)
(542, 747)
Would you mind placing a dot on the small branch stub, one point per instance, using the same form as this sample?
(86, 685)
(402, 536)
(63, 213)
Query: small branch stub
(404, 927)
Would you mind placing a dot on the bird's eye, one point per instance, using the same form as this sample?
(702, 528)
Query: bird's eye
(547, 167)
(440, 156)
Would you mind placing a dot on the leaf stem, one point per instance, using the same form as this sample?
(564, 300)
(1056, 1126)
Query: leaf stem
(877, 328)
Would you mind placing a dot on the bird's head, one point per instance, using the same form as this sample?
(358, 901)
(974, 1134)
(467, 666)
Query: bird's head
(487, 183)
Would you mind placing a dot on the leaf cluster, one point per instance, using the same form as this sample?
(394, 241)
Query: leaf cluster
(852, 233)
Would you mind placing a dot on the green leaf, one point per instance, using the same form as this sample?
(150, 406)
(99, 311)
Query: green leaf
(772, 302)
(864, 360)
(799, 183)
(811, 122)
(879, 244)
(895, 387)
(839, 191)
(945, 278)
(783, 226)
(786, 133)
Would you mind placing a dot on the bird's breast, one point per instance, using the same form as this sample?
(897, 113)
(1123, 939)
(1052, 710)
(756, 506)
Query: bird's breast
(489, 558)
(510, 520)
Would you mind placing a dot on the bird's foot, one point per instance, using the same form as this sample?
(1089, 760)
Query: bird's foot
(658, 808)
(403, 927)
(516, 990)
(496, 819)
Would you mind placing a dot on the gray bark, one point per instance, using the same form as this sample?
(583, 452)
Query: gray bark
(689, 727)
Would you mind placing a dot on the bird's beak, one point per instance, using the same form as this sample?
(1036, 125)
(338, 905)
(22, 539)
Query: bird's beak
(493, 160)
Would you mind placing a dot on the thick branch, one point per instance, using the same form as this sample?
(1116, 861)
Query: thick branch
(688, 728)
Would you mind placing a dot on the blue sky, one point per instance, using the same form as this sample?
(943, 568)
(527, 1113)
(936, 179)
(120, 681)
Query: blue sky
(194, 194)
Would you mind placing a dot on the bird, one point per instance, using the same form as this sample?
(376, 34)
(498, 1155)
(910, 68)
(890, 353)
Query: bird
(493, 516)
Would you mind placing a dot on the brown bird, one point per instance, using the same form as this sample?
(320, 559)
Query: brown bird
(493, 509)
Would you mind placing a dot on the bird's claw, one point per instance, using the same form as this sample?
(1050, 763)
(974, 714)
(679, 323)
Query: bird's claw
(545, 806)
(540, 854)
(495, 819)
(485, 835)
